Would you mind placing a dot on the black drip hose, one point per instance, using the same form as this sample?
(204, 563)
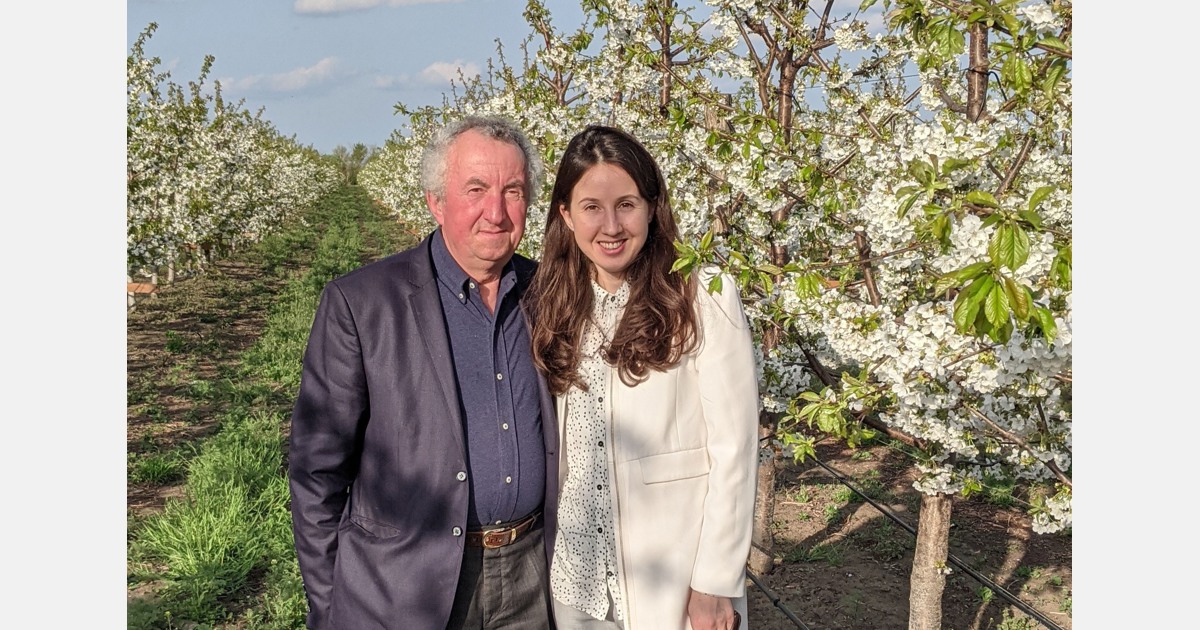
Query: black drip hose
(775, 601)
(996, 588)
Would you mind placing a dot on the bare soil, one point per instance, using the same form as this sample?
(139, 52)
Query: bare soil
(846, 565)
(841, 562)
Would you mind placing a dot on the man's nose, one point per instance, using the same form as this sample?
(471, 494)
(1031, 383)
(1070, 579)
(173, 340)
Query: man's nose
(495, 208)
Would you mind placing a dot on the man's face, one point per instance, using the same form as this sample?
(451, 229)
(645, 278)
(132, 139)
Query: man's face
(483, 213)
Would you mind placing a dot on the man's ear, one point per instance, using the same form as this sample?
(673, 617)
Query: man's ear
(435, 205)
(566, 215)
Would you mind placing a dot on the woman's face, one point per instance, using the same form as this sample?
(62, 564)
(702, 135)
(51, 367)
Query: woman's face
(610, 220)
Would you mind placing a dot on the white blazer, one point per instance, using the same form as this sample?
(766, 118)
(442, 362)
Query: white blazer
(683, 457)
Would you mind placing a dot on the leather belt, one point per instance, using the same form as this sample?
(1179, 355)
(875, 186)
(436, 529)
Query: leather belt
(503, 536)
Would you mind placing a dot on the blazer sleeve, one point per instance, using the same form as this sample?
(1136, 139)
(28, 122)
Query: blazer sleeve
(328, 420)
(729, 397)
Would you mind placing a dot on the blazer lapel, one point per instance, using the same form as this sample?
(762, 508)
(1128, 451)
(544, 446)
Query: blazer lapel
(426, 307)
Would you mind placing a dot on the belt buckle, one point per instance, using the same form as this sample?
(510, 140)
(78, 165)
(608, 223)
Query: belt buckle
(499, 538)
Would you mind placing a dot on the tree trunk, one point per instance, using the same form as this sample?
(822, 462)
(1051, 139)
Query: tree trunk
(929, 566)
(762, 544)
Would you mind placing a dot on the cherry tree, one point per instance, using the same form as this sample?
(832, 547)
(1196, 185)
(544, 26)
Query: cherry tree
(890, 184)
(203, 174)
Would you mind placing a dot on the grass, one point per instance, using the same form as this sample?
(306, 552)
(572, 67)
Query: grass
(222, 556)
(156, 469)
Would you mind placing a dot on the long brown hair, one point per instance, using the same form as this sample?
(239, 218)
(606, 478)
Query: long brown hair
(659, 323)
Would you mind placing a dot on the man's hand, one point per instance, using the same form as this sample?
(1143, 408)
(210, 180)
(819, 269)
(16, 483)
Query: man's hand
(709, 612)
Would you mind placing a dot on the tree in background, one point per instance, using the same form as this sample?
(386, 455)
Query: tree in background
(351, 161)
(890, 184)
(203, 174)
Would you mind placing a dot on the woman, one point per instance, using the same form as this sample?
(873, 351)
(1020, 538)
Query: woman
(657, 404)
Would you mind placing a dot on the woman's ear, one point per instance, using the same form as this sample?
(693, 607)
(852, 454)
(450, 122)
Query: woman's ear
(566, 215)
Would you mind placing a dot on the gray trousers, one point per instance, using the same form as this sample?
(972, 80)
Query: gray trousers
(504, 589)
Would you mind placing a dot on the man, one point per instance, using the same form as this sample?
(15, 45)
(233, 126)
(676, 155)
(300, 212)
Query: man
(422, 458)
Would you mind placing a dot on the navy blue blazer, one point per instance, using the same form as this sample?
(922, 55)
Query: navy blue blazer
(379, 504)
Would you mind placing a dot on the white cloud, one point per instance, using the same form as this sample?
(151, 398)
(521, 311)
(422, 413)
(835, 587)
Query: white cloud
(324, 7)
(442, 72)
(291, 81)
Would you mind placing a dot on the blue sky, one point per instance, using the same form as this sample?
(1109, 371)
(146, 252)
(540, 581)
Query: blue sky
(331, 71)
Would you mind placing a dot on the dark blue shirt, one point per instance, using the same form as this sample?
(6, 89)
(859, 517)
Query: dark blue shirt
(498, 392)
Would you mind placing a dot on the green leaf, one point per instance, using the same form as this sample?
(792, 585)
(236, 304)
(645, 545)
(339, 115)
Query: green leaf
(1031, 218)
(922, 172)
(954, 164)
(714, 285)
(1060, 269)
(809, 285)
(941, 228)
(1018, 297)
(706, 240)
(1039, 196)
(1045, 321)
(1051, 41)
(966, 305)
(983, 198)
(907, 205)
(866, 4)
(1009, 246)
(1053, 75)
(955, 278)
(996, 306)
(1022, 75)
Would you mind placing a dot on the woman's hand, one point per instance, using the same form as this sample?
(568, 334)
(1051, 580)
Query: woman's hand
(709, 612)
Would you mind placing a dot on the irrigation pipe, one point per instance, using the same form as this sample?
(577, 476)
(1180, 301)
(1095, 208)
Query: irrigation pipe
(996, 588)
(775, 600)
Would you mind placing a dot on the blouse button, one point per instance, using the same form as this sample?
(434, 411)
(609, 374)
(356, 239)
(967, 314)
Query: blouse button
(457, 531)
(461, 476)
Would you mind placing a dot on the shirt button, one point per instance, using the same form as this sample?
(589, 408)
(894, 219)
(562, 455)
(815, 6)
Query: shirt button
(461, 476)
(599, 530)
(600, 443)
(461, 296)
(457, 531)
(471, 284)
(499, 377)
(508, 480)
(599, 486)
(600, 399)
(504, 426)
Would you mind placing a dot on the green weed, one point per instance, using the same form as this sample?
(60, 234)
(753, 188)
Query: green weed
(156, 469)
(176, 344)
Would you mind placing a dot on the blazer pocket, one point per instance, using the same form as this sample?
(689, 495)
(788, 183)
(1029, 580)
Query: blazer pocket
(374, 528)
(674, 466)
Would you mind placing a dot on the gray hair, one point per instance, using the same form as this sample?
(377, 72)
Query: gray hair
(433, 160)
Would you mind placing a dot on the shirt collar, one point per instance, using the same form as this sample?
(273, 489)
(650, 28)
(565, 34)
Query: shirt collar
(602, 296)
(452, 276)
